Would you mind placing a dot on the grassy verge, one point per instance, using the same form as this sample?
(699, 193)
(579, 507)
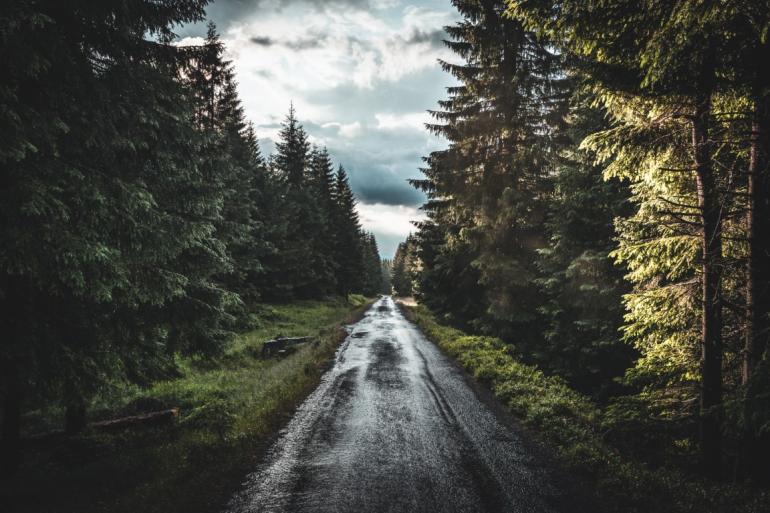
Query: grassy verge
(231, 407)
(572, 425)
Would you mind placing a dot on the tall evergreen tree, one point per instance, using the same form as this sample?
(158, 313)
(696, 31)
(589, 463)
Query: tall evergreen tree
(495, 171)
(348, 248)
(582, 308)
(669, 57)
(102, 204)
(302, 272)
(371, 265)
(292, 152)
(321, 181)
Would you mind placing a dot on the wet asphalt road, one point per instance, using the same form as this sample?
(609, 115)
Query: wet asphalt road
(395, 427)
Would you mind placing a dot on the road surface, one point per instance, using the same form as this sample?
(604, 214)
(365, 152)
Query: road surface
(396, 427)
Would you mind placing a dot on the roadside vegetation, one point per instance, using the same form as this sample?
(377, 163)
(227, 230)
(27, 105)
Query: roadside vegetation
(584, 435)
(230, 407)
(603, 205)
(139, 219)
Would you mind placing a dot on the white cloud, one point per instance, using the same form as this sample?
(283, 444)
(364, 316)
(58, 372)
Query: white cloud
(360, 75)
(411, 121)
(346, 130)
(389, 219)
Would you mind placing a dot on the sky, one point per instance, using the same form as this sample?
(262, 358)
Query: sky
(361, 75)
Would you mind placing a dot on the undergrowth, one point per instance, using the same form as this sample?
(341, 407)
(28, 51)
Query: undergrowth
(230, 408)
(576, 428)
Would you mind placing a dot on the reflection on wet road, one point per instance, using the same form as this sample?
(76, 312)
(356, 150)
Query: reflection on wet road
(394, 427)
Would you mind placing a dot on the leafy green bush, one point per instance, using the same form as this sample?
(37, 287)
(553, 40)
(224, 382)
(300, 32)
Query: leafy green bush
(357, 299)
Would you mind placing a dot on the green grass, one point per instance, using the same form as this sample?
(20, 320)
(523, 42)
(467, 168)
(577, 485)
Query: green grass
(231, 407)
(574, 426)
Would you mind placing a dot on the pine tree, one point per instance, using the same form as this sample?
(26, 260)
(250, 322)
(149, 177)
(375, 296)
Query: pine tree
(348, 249)
(302, 272)
(321, 181)
(292, 151)
(372, 266)
(101, 199)
(582, 310)
(668, 58)
(406, 268)
(235, 163)
(448, 282)
(386, 286)
(493, 180)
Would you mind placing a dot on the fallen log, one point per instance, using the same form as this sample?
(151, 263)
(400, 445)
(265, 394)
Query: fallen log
(146, 419)
(271, 347)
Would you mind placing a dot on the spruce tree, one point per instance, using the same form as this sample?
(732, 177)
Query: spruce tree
(583, 289)
(102, 199)
(372, 266)
(305, 271)
(667, 55)
(321, 181)
(493, 180)
(348, 244)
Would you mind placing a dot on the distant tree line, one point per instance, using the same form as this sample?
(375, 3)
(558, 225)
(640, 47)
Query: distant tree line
(138, 218)
(604, 205)
(405, 267)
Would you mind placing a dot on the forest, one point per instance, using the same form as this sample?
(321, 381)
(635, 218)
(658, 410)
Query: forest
(139, 221)
(603, 207)
(592, 261)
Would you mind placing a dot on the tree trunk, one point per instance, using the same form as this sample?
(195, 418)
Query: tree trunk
(758, 268)
(11, 428)
(711, 321)
(756, 447)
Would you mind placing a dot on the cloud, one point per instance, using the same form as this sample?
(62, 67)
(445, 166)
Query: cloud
(262, 41)
(390, 194)
(361, 74)
(410, 121)
(390, 223)
(305, 43)
(434, 37)
(226, 13)
(349, 130)
(389, 219)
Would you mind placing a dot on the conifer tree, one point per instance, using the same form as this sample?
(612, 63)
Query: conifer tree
(582, 308)
(372, 266)
(322, 182)
(667, 57)
(302, 273)
(348, 245)
(101, 199)
(495, 171)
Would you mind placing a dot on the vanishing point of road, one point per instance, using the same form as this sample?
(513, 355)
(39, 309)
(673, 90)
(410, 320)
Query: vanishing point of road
(395, 426)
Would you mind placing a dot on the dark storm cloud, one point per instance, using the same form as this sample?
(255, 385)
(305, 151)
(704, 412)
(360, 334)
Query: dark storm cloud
(413, 93)
(434, 37)
(262, 41)
(306, 43)
(381, 177)
(389, 193)
(381, 161)
(378, 166)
